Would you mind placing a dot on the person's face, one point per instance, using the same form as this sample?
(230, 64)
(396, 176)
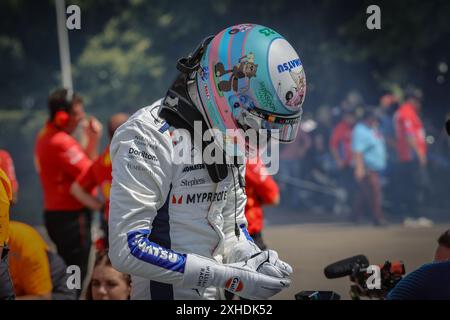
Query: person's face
(372, 122)
(109, 284)
(417, 103)
(442, 254)
(76, 115)
(387, 101)
(350, 119)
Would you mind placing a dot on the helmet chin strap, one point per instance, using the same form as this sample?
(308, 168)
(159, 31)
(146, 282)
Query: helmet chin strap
(195, 98)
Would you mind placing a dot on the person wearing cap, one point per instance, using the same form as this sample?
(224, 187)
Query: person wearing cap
(369, 154)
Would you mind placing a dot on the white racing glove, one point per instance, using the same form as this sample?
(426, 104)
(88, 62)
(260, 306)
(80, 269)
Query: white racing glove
(240, 278)
(274, 267)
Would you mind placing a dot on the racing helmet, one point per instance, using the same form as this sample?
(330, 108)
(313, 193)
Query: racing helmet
(249, 76)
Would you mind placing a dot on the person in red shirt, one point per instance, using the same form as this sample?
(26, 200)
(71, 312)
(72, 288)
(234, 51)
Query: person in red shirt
(411, 144)
(411, 152)
(261, 190)
(7, 165)
(59, 160)
(98, 175)
(341, 150)
(341, 140)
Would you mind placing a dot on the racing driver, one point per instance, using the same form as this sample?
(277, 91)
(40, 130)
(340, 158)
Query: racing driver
(179, 228)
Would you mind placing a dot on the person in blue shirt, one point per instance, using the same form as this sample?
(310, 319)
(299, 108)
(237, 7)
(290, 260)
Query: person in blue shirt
(369, 156)
(429, 282)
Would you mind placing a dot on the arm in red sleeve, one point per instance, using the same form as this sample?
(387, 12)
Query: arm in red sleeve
(264, 186)
(335, 138)
(72, 157)
(82, 188)
(87, 178)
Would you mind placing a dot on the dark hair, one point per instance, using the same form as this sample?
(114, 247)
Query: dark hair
(412, 92)
(102, 259)
(349, 113)
(444, 239)
(116, 121)
(62, 100)
(369, 113)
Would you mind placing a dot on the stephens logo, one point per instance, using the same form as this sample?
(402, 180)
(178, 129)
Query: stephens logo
(234, 284)
(288, 66)
(196, 198)
(193, 182)
(142, 154)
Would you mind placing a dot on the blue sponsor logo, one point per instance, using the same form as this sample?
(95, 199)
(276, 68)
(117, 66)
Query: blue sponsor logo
(204, 73)
(143, 249)
(288, 66)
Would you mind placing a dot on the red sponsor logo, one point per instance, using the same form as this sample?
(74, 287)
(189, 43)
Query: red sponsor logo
(234, 284)
(175, 200)
(207, 92)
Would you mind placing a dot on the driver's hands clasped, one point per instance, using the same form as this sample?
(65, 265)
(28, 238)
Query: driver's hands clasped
(274, 267)
(243, 278)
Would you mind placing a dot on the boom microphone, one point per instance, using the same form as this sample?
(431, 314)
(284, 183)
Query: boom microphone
(345, 267)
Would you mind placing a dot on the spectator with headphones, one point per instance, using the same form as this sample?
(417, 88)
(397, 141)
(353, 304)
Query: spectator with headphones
(59, 160)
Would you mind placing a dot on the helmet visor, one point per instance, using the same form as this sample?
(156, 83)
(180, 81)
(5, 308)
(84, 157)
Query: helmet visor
(281, 128)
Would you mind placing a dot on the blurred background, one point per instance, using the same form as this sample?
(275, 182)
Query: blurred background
(124, 58)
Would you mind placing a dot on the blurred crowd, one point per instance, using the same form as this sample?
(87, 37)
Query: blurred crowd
(359, 160)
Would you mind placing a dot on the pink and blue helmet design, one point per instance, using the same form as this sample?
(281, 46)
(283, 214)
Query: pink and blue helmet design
(250, 76)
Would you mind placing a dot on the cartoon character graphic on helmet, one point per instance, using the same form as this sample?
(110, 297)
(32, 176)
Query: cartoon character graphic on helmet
(296, 94)
(244, 69)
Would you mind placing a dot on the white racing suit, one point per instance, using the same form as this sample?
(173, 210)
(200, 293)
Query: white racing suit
(160, 211)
